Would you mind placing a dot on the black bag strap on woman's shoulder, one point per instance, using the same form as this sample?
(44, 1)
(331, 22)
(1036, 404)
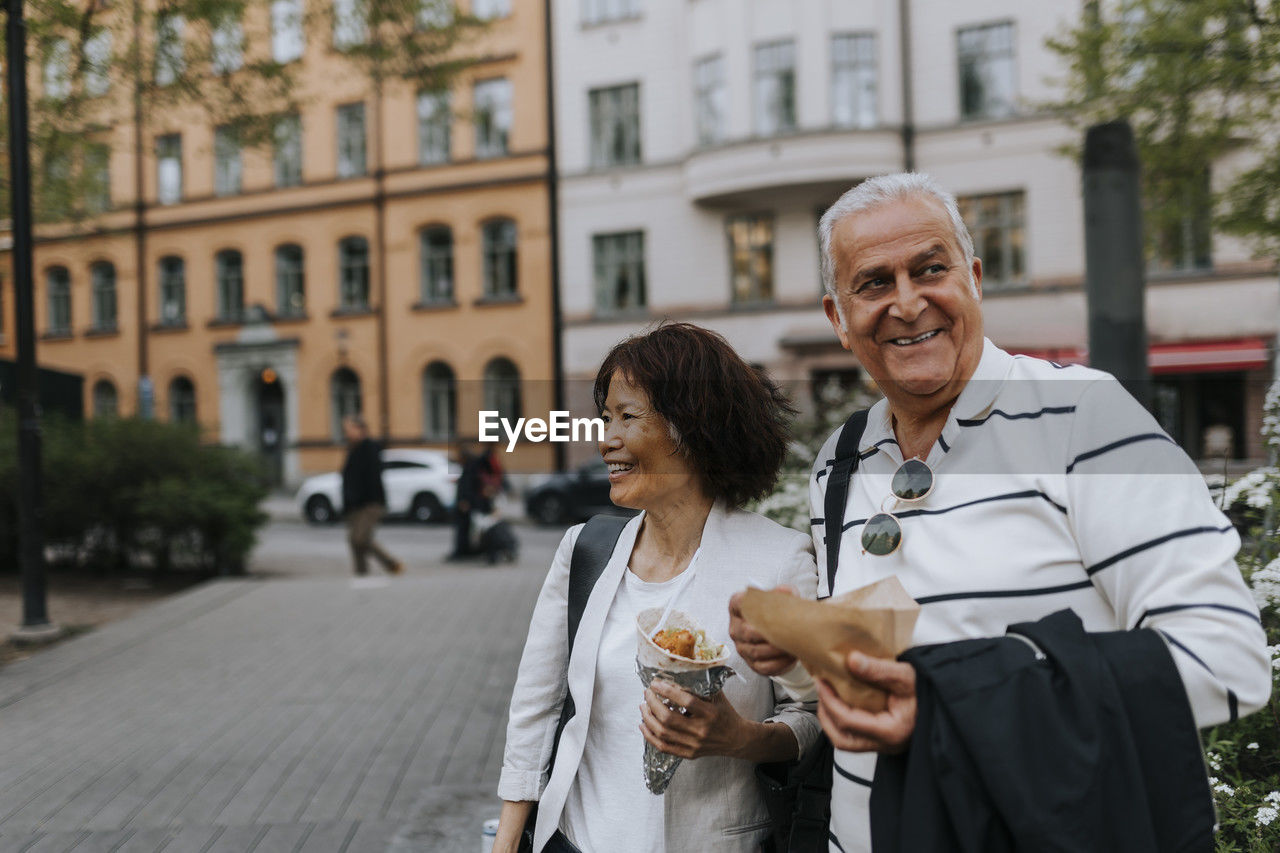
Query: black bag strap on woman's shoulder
(798, 793)
(591, 553)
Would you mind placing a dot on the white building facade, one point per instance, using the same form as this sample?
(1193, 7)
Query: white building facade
(698, 142)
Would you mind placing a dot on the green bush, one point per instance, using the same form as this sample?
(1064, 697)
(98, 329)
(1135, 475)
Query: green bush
(132, 493)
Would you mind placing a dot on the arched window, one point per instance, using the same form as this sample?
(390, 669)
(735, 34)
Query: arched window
(344, 391)
(353, 273)
(291, 292)
(106, 401)
(182, 401)
(102, 275)
(435, 249)
(502, 388)
(499, 245)
(58, 284)
(229, 268)
(439, 402)
(173, 291)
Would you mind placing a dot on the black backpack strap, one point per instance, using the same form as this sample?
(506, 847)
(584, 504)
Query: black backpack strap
(591, 554)
(837, 495)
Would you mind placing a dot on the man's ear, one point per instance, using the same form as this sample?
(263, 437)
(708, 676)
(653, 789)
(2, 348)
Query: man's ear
(833, 315)
(977, 277)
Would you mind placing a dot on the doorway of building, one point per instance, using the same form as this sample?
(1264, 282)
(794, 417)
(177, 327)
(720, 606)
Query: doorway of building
(269, 398)
(1203, 412)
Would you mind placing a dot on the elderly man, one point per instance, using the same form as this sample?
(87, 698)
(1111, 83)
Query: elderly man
(1022, 488)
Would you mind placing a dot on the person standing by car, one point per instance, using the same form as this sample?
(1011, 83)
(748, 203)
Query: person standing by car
(363, 499)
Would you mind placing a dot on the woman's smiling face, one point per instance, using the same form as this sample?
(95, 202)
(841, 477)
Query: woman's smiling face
(646, 470)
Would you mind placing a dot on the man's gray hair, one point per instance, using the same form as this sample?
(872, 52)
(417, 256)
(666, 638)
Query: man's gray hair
(879, 190)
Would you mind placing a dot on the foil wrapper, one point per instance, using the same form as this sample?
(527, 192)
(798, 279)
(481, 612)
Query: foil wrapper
(660, 766)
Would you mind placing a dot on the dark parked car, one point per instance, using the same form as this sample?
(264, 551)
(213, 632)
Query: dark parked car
(573, 496)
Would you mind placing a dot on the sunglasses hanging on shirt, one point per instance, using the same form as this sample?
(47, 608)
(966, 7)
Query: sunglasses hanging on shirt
(882, 534)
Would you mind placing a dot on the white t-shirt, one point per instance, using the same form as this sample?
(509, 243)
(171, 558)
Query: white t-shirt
(609, 808)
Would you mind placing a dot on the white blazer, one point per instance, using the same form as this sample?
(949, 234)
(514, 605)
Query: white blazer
(713, 803)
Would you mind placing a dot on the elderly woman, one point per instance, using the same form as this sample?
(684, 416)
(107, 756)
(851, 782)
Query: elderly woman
(691, 434)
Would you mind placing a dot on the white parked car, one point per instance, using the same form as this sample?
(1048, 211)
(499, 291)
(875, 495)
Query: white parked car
(420, 484)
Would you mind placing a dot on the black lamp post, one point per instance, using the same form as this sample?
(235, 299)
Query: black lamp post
(35, 618)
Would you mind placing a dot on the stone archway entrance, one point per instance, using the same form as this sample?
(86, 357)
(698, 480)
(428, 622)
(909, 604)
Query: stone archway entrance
(258, 399)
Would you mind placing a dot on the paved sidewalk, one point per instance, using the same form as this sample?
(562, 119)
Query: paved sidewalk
(305, 714)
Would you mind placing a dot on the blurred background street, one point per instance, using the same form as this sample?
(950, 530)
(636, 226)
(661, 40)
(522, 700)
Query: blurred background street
(296, 709)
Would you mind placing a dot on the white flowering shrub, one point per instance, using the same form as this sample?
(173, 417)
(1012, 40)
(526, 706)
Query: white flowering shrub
(1244, 757)
(789, 503)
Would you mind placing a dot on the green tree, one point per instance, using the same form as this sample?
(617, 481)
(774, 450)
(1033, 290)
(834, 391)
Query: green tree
(1197, 80)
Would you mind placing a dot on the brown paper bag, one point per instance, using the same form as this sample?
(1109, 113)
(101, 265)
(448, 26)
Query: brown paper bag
(876, 620)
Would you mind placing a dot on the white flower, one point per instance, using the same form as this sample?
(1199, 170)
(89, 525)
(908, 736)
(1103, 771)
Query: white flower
(1253, 745)
(1265, 585)
(1225, 789)
(1253, 489)
(1273, 798)
(1266, 814)
(1215, 761)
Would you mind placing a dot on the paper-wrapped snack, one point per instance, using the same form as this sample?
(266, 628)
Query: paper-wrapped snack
(876, 620)
(703, 674)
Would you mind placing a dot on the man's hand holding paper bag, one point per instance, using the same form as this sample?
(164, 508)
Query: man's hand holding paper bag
(848, 644)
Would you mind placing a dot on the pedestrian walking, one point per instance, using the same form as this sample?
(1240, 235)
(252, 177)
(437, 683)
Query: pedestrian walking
(364, 500)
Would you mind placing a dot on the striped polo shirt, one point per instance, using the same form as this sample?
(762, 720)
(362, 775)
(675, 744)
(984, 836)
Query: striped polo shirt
(1053, 488)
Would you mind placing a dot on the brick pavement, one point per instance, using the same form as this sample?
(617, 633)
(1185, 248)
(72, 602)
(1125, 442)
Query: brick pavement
(309, 714)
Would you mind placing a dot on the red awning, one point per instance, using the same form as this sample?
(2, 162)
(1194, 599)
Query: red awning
(1189, 357)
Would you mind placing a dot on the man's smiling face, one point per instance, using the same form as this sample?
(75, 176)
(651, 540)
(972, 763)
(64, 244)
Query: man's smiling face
(905, 302)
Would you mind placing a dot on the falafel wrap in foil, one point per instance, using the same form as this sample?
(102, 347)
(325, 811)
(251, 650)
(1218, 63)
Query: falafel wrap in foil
(681, 653)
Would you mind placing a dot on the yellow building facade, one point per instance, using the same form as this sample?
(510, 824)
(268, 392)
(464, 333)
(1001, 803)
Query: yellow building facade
(392, 258)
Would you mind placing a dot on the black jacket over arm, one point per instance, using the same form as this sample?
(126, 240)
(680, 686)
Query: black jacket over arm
(362, 476)
(1085, 745)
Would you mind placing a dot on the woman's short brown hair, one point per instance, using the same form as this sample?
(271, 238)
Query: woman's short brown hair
(731, 421)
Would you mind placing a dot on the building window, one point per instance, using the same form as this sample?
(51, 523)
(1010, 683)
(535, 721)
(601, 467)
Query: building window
(226, 161)
(751, 257)
(619, 271)
(498, 240)
(58, 285)
(286, 156)
(97, 173)
(999, 236)
(775, 88)
(170, 61)
(229, 270)
(344, 391)
(1183, 241)
(615, 125)
(287, 38)
(106, 400)
(710, 99)
(56, 77)
(227, 46)
(604, 11)
(353, 273)
(435, 250)
(502, 388)
(351, 160)
(440, 402)
(435, 122)
(97, 59)
(169, 168)
(987, 74)
(182, 401)
(291, 291)
(173, 291)
(488, 10)
(102, 278)
(349, 25)
(492, 110)
(853, 80)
